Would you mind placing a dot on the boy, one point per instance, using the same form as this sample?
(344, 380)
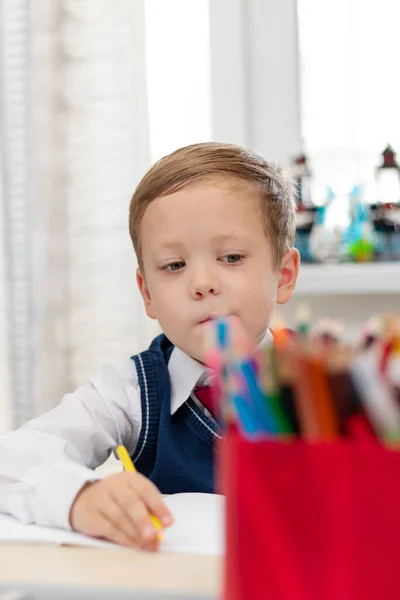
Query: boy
(213, 228)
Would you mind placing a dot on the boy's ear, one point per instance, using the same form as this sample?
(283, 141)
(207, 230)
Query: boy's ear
(287, 275)
(144, 290)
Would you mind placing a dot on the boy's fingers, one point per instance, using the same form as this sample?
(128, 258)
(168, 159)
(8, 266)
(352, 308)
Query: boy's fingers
(139, 514)
(135, 513)
(114, 514)
(152, 545)
(154, 501)
(110, 532)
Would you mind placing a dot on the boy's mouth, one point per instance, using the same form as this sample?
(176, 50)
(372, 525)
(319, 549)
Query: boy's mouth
(206, 320)
(210, 318)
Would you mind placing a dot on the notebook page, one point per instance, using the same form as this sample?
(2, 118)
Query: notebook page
(197, 528)
(11, 530)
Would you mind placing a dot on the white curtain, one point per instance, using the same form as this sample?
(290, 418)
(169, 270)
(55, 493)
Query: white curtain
(74, 143)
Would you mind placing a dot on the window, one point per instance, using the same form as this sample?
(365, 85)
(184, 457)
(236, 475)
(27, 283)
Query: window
(350, 88)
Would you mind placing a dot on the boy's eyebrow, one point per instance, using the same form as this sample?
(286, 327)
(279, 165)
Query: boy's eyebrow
(223, 237)
(168, 245)
(171, 244)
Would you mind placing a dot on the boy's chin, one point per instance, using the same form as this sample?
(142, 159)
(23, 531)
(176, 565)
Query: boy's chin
(199, 351)
(194, 352)
(198, 347)
(203, 338)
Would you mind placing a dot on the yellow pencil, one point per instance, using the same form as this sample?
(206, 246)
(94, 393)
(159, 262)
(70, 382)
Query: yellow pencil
(128, 465)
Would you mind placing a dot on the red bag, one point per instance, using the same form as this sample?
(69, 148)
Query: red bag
(311, 521)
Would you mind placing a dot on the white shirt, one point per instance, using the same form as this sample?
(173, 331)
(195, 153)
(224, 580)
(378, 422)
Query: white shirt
(44, 464)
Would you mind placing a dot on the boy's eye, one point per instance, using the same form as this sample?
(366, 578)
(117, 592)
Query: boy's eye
(232, 258)
(175, 266)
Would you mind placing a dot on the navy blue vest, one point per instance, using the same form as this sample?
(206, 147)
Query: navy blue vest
(174, 451)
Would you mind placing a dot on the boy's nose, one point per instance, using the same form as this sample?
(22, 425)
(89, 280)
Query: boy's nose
(204, 286)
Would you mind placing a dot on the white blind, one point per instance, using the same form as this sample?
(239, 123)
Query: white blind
(5, 372)
(16, 297)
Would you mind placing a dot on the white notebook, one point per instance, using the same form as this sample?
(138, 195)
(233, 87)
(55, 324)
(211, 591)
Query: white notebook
(198, 528)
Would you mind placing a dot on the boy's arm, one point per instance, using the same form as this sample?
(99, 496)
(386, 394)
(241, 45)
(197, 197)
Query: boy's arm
(44, 464)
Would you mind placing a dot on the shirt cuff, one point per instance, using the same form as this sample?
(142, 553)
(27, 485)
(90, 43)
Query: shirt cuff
(54, 489)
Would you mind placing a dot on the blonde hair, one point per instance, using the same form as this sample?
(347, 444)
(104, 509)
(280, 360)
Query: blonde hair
(227, 162)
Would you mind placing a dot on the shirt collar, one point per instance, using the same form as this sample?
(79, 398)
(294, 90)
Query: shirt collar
(185, 373)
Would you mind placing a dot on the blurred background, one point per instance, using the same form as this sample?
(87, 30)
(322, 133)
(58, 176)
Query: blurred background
(92, 92)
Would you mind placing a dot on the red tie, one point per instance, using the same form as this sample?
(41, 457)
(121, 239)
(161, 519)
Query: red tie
(205, 395)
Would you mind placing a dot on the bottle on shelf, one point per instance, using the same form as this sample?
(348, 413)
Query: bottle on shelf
(326, 237)
(360, 236)
(386, 209)
(306, 210)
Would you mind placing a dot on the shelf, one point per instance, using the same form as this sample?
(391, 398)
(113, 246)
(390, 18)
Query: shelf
(372, 278)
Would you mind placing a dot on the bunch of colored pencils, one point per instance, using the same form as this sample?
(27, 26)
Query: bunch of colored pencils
(308, 383)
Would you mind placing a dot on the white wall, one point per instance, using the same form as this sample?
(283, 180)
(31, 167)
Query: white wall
(254, 65)
(178, 74)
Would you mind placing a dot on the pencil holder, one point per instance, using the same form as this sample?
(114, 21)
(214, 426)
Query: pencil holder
(310, 521)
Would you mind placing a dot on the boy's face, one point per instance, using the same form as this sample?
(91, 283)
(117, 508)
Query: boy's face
(205, 253)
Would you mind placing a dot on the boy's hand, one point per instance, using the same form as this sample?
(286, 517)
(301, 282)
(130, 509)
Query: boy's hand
(118, 509)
